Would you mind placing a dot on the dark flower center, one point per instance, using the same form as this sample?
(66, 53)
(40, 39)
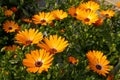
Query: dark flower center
(10, 27)
(43, 21)
(99, 67)
(53, 51)
(107, 15)
(28, 41)
(88, 9)
(87, 20)
(75, 14)
(38, 63)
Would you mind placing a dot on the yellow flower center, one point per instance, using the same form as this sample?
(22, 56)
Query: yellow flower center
(38, 63)
(98, 66)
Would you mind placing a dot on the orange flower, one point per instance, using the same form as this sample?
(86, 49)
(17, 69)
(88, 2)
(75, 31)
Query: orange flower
(118, 4)
(90, 5)
(43, 18)
(27, 20)
(73, 60)
(89, 17)
(53, 44)
(38, 61)
(107, 13)
(28, 37)
(59, 14)
(8, 13)
(11, 48)
(10, 26)
(72, 11)
(98, 62)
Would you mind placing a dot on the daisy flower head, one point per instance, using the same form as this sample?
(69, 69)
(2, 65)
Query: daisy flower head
(10, 26)
(59, 14)
(28, 37)
(90, 5)
(11, 48)
(54, 44)
(38, 61)
(8, 13)
(98, 62)
(107, 13)
(72, 11)
(43, 18)
(89, 17)
(118, 4)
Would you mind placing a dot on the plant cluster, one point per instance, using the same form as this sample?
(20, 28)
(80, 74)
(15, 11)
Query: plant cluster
(59, 39)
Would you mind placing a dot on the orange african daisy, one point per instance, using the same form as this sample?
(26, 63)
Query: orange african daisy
(28, 37)
(107, 13)
(54, 44)
(90, 5)
(10, 26)
(89, 17)
(11, 48)
(118, 4)
(59, 14)
(38, 61)
(72, 11)
(8, 13)
(98, 62)
(43, 18)
(72, 60)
